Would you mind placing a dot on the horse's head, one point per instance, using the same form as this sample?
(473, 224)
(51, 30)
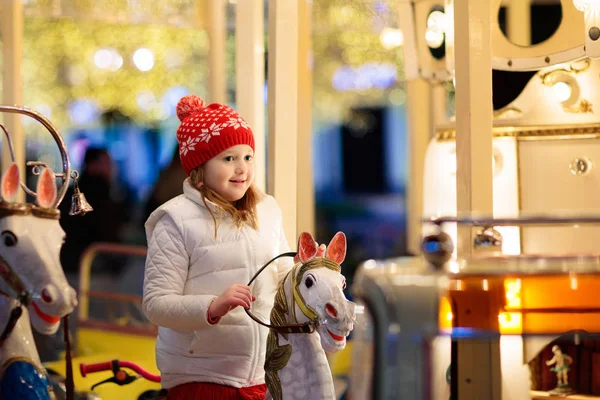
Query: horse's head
(317, 291)
(30, 243)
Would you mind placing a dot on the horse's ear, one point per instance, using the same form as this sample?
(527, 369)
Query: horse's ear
(336, 251)
(46, 189)
(307, 247)
(10, 183)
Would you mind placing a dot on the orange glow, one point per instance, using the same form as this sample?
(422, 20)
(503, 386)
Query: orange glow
(574, 284)
(445, 315)
(510, 323)
(512, 287)
(455, 284)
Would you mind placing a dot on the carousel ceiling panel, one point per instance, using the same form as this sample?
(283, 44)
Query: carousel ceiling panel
(557, 30)
(558, 102)
(566, 44)
(182, 13)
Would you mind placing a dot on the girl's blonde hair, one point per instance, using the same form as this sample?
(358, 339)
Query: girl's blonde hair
(242, 211)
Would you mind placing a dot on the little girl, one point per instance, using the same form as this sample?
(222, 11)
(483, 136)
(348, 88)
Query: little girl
(203, 247)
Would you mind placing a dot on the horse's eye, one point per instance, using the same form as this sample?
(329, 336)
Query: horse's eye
(309, 281)
(9, 239)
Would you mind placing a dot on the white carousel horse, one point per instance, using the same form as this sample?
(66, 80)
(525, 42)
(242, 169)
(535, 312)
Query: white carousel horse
(32, 277)
(309, 297)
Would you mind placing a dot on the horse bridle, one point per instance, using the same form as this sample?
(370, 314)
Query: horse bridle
(23, 298)
(307, 327)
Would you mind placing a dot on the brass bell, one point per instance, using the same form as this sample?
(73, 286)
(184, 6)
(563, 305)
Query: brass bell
(79, 205)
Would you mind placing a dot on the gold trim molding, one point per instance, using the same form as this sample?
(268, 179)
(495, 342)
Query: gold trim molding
(541, 132)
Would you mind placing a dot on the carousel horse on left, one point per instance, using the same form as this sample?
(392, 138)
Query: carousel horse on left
(34, 290)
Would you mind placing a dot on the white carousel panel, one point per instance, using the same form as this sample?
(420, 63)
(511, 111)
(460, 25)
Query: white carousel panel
(560, 95)
(569, 35)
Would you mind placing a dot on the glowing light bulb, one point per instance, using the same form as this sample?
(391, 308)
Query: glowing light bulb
(102, 58)
(562, 91)
(586, 5)
(108, 59)
(143, 59)
(391, 38)
(436, 27)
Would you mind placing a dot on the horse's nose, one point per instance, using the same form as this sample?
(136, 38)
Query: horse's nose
(49, 294)
(351, 309)
(331, 310)
(72, 296)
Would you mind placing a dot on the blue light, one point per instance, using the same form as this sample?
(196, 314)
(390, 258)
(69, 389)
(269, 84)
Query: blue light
(173, 95)
(367, 76)
(82, 111)
(381, 7)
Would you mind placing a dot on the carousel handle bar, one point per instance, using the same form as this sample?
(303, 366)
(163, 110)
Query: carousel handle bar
(516, 221)
(438, 247)
(114, 366)
(66, 174)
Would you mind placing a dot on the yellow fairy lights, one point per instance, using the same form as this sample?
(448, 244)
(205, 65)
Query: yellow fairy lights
(60, 65)
(346, 33)
(62, 38)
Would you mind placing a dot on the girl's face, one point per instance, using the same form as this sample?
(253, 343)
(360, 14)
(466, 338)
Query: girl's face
(231, 172)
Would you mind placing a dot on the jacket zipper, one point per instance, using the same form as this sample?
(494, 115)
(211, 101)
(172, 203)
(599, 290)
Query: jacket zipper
(256, 332)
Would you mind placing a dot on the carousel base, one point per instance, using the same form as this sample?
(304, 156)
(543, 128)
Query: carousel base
(539, 395)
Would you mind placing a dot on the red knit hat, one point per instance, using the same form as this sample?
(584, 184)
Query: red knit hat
(207, 131)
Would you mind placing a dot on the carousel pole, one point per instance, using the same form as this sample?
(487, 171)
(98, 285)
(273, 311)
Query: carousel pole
(306, 196)
(250, 77)
(419, 124)
(476, 361)
(11, 32)
(439, 104)
(217, 33)
(518, 20)
(283, 111)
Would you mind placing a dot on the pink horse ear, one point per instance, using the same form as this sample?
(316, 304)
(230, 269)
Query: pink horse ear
(307, 247)
(46, 189)
(336, 251)
(10, 183)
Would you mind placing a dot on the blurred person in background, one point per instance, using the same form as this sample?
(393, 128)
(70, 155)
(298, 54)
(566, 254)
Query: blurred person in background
(167, 186)
(105, 223)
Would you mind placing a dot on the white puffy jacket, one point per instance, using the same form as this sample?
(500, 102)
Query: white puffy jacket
(187, 267)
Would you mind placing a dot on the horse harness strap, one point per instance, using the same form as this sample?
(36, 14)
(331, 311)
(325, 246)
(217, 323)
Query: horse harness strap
(15, 283)
(23, 298)
(299, 300)
(307, 327)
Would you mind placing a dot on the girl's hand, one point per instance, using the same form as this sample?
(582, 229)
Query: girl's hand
(235, 295)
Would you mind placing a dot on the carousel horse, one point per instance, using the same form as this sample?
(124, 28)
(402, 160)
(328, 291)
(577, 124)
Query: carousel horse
(311, 317)
(33, 289)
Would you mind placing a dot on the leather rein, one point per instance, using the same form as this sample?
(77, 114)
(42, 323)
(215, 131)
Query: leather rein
(307, 327)
(23, 298)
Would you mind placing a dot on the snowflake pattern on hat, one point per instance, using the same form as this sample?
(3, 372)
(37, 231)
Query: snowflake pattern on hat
(188, 145)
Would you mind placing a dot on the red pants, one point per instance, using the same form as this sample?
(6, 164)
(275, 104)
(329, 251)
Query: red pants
(214, 391)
